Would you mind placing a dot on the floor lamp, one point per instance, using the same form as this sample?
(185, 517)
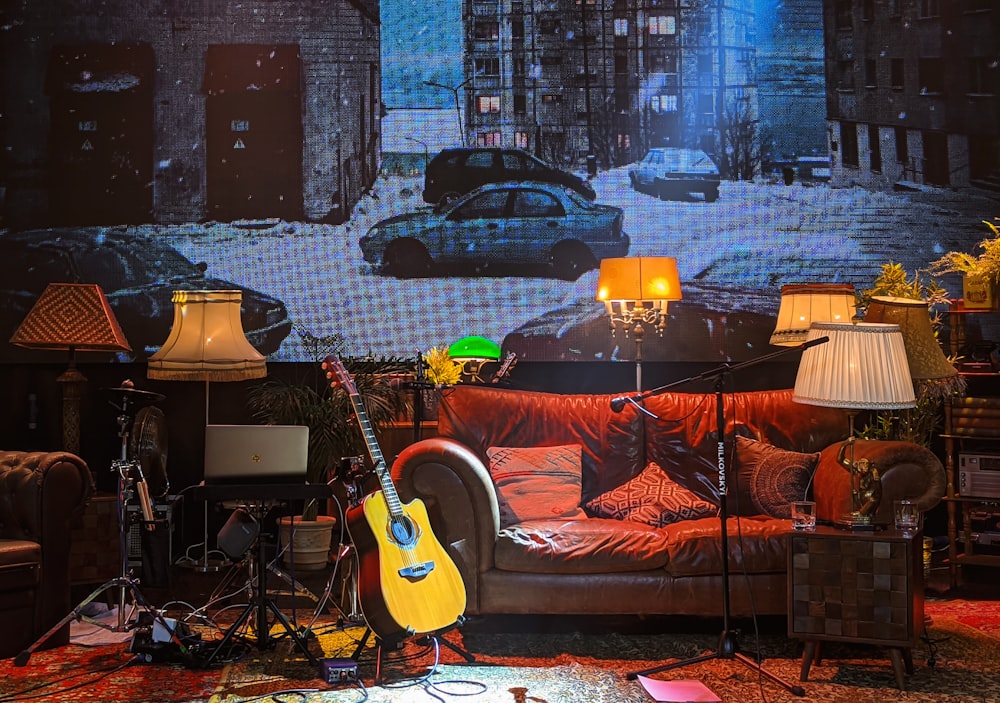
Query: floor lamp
(207, 343)
(635, 291)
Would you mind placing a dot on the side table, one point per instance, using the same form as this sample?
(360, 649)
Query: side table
(859, 587)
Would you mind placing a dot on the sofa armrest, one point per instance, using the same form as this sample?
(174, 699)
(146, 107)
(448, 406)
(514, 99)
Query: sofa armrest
(909, 471)
(461, 503)
(46, 492)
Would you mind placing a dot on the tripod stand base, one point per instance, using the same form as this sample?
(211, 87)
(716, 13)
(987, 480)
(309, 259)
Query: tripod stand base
(728, 649)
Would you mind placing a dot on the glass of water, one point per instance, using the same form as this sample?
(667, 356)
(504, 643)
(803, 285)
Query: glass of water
(906, 515)
(804, 515)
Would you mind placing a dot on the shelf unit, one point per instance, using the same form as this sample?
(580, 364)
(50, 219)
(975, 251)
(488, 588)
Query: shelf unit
(971, 424)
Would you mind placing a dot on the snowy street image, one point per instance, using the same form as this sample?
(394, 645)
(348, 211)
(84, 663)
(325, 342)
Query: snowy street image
(733, 255)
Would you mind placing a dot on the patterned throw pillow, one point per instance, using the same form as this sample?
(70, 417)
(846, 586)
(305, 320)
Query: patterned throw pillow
(535, 483)
(769, 477)
(653, 498)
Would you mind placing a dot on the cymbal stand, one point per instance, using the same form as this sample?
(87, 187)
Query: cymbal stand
(130, 483)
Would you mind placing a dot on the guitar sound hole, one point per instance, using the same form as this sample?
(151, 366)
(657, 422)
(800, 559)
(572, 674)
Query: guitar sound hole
(403, 531)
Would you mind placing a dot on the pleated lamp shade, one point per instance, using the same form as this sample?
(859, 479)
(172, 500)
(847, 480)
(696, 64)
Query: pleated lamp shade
(805, 303)
(924, 355)
(862, 367)
(207, 342)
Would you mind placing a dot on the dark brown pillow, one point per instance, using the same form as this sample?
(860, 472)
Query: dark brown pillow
(769, 478)
(652, 498)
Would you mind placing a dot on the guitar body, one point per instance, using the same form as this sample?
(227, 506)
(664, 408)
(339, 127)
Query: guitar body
(407, 583)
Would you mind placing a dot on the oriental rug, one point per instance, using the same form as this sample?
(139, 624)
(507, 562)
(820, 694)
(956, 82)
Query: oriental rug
(958, 662)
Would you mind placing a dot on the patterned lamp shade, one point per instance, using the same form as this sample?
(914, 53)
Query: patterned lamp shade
(924, 355)
(73, 316)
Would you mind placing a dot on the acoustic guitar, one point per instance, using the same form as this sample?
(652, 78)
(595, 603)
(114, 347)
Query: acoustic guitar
(407, 583)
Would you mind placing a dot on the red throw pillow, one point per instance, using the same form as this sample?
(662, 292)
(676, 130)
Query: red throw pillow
(535, 483)
(652, 498)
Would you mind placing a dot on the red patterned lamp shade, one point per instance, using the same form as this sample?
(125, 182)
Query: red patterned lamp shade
(73, 316)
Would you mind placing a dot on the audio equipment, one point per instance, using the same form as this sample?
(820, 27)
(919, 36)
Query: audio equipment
(979, 475)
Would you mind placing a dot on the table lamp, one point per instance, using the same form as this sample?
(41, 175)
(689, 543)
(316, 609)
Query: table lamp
(863, 366)
(805, 303)
(472, 352)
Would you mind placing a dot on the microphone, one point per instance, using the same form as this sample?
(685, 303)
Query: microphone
(618, 404)
(814, 342)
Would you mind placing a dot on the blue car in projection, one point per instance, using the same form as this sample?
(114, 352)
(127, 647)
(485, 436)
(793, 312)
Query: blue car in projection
(496, 226)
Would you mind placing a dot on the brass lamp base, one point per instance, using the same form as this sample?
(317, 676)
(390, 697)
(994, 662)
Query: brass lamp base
(856, 522)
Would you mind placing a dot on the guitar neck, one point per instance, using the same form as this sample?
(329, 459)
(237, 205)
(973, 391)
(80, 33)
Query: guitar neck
(375, 452)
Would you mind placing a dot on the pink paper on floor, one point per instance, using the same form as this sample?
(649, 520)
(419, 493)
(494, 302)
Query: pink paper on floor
(679, 691)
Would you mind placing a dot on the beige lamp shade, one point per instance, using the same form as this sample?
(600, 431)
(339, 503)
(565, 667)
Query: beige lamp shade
(647, 278)
(863, 366)
(924, 355)
(207, 342)
(805, 303)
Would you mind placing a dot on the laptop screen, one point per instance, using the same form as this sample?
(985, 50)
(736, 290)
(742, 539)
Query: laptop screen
(256, 453)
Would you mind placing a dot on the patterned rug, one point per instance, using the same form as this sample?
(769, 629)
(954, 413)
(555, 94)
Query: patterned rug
(958, 662)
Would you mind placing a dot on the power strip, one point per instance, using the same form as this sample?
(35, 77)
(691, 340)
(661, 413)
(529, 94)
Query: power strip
(338, 670)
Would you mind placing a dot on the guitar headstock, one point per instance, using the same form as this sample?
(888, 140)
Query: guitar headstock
(338, 375)
(509, 362)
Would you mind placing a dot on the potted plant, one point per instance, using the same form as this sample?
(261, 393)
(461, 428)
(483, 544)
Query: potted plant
(334, 433)
(980, 272)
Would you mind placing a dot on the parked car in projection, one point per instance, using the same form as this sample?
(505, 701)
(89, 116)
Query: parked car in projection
(138, 277)
(672, 173)
(455, 172)
(498, 225)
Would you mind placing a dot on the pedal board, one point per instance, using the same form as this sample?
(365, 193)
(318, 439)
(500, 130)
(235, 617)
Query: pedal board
(339, 670)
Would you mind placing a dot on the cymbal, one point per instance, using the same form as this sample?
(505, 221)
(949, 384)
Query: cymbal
(127, 395)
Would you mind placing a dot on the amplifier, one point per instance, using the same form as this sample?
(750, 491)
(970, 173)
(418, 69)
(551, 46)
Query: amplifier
(979, 475)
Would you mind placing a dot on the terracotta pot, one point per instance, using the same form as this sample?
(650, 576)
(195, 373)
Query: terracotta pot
(310, 546)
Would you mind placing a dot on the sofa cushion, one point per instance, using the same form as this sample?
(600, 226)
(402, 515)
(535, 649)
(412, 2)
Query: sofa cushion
(535, 483)
(769, 477)
(756, 545)
(652, 498)
(591, 546)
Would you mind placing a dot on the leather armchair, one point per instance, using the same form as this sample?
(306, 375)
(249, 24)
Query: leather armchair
(41, 494)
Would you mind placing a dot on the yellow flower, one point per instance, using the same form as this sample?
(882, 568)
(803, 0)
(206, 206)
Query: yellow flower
(441, 368)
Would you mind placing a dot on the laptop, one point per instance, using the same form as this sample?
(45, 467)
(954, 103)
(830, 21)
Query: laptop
(256, 454)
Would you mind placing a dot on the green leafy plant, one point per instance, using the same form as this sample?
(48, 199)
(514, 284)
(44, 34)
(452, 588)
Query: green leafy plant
(310, 400)
(985, 265)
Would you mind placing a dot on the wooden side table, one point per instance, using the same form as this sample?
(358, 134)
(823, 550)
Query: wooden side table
(860, 587)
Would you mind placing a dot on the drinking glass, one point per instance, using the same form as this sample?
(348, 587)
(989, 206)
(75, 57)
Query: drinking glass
(906, 515)
(804, 515)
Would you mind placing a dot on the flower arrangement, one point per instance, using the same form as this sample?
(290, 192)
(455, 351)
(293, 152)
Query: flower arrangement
(442, 370)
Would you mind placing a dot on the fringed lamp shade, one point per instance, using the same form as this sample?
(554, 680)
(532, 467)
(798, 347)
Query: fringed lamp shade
(207, 342)
(805, 303)
(924, 355)
(862, 367)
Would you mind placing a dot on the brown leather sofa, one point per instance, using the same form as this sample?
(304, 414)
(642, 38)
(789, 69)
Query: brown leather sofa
(41, 493)
(598, 565)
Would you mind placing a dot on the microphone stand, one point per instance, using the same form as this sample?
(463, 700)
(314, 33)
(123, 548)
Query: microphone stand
(728, 647)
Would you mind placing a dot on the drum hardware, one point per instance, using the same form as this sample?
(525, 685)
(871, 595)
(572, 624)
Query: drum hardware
(132, 485)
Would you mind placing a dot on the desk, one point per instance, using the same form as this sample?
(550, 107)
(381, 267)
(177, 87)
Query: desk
(861, 587)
